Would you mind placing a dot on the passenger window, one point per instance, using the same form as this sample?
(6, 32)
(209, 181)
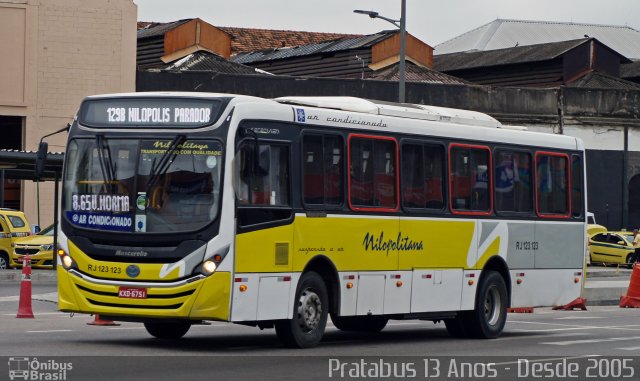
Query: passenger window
(552, 184)
(577, 183)
(323, 167)
(512, 179)
(422, 176)
(263, 174)
(372, 173)
(470, 179)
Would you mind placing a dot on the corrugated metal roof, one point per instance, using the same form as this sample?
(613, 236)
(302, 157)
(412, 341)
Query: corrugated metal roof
(158, 29)
(415, 73)
(318, 48)
(501, 33)
(630, 70)
(520, 54)
(597, 80)
(250, 39)
(207, 61)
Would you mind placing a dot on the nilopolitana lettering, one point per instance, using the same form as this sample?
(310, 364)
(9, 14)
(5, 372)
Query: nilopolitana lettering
(401, 243)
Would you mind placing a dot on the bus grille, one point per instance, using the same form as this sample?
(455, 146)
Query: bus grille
(113, 300)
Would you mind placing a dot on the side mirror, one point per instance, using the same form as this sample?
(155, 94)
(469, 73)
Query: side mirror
(41, 159)
(622, 243)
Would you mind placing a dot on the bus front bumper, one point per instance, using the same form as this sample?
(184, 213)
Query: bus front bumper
(197, 298)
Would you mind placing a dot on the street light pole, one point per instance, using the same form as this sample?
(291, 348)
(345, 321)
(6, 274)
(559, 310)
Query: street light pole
(400, 24)
(403, 51)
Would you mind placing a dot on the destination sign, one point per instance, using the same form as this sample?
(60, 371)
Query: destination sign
(146, 112)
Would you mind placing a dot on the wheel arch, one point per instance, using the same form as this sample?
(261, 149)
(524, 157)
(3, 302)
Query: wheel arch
(327, 270)
(498, 264)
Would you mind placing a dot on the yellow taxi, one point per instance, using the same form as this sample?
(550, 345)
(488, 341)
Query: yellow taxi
(39, 247)
(13, 225)
(611, 247)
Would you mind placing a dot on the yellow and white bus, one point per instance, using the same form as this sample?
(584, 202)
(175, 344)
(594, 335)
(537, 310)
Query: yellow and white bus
(179, 208)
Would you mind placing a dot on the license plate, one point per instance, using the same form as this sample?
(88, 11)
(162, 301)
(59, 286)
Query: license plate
(132, 293)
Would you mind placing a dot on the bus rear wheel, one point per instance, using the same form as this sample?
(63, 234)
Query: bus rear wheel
(488, 318)
(168, 330)
(310, 314)
(372, 324)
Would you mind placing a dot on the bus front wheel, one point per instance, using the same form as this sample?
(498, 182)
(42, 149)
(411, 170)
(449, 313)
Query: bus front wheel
(169, 330)
(310, 313)
(488, 318)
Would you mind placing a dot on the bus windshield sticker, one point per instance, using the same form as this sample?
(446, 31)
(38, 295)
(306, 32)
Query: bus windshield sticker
(159, 147)
(103, 221)
(300, 115)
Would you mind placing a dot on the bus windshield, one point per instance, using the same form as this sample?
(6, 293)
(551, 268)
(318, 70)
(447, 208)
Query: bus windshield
(142, 185)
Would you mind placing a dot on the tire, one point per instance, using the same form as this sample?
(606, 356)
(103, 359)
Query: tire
(4, 261)
(167, 330)
(371, 324)
(631, 259)
(457, 327)
(310, 312)
(488, 318)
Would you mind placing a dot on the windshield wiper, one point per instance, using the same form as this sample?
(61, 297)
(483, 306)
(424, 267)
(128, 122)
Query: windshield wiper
(164, 163)
(107, 167)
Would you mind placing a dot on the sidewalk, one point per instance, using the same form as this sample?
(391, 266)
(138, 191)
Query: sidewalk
(605, 285)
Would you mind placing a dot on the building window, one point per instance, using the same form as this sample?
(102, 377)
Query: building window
(423, 176)
(373, 178)
(323, 169)
(552, 184)
(470, 179)
(512, 181)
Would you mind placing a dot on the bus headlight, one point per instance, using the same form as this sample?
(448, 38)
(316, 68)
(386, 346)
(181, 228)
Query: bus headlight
(66, 260)
(209, 266)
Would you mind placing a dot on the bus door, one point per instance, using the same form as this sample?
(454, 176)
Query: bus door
(264, 232)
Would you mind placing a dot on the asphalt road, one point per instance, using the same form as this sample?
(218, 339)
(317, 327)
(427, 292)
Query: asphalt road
(224, 351)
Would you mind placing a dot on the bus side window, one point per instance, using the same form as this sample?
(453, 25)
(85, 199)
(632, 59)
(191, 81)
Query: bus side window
(263, 186)
(323, 174)
(372, 171)
(552, 180)
(470, 178)
(577, 184)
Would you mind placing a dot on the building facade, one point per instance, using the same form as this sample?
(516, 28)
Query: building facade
(59, 51)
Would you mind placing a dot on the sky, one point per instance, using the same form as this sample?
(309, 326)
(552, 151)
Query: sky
(432, 21)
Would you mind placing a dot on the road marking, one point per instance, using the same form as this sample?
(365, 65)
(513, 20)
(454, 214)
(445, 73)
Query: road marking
(51, 330)
(549, 359)
(399, 324)
(53, 295)
(579, 317)
(122, 328)
(43, 313)
(629, 349)
(591, 341)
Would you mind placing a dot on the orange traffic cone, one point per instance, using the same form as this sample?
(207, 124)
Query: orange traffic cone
(520, 310)
(579, 303)
(24, 307)
(632, 299)
(98, 321)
